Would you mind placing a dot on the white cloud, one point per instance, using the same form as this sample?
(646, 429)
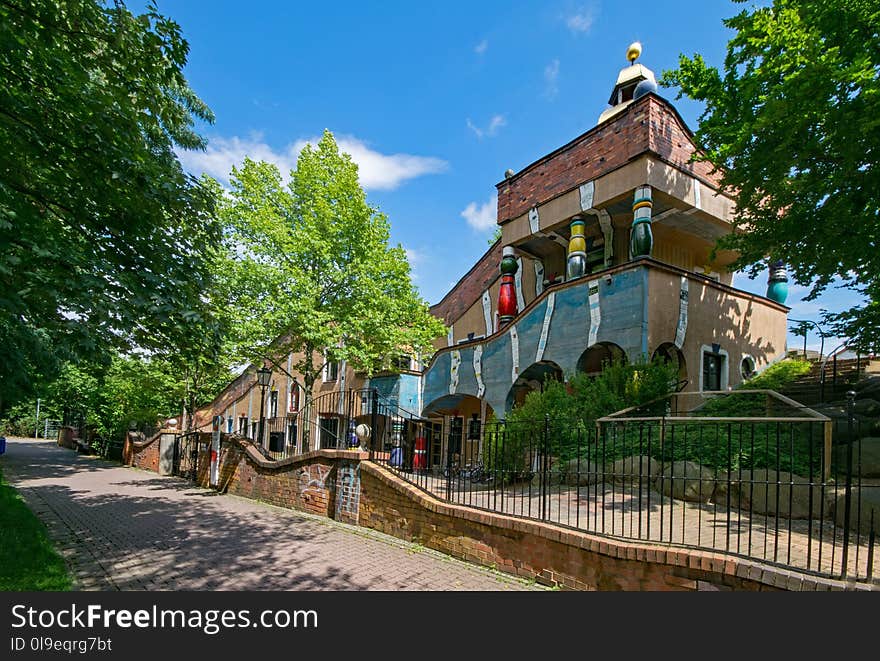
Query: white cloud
(377, 171)
(582, 21)
(481, 217)
(481, 47)
(495, 123)
(473, 127)
(551, 76)
(415, 258)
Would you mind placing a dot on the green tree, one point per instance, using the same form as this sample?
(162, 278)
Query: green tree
(309, 268)
(102, 233)
(793, 121)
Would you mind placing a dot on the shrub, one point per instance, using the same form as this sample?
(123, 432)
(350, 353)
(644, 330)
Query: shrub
(566, 413)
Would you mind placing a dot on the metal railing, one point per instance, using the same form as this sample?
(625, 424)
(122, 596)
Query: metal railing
(780, 486)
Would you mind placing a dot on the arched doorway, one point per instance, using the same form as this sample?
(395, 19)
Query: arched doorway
(594, 359)
(532, 379)
(669, 353)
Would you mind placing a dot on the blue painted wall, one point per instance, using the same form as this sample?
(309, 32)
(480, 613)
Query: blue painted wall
(623, 306)
(399, 390)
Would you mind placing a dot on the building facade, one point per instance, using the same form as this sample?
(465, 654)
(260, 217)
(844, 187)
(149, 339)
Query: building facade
(606, 252)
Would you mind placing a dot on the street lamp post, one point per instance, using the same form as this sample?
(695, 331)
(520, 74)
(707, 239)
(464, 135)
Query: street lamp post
(264, 376)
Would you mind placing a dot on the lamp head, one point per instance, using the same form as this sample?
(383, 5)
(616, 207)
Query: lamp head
(264, 376)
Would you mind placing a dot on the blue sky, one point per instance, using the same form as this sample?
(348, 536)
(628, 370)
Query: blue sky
(434, 101)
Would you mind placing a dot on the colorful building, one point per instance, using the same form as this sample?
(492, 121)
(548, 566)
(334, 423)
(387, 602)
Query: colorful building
(605, 253)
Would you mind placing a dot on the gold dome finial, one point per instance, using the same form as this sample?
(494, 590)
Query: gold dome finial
(633, 51)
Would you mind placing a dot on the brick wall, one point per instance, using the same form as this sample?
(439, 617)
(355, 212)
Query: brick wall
(549, 554)
(648, 125)
(340, 485)
(470, 287)
(141, 453)
(307, 482)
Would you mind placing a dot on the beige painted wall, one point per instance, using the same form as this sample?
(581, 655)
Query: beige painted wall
(740, 323)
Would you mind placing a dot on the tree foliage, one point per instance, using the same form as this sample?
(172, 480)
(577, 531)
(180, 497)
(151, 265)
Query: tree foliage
(309, 267)
(793, 121)
(102, 233)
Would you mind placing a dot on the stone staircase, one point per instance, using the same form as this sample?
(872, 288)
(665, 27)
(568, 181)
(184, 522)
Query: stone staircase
(808, 388)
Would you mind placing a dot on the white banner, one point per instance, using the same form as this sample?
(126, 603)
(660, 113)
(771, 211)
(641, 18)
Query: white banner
(539, 278)
(595, 312)
(487, 312)
(682, 313)
(478, 369)
(534, 222)
(517, 283)
(454, 363)
(514, 352)
(545, 329)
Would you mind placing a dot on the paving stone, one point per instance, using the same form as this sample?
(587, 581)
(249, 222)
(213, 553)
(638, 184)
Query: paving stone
(123, 528)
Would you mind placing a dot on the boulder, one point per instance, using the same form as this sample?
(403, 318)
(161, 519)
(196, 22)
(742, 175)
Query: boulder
(628, 469)
(867, 407)
(865, 457)
(723, 486)
(757, 491)
(686, 480)
(868, 387)
(864, 505)
(574, 473)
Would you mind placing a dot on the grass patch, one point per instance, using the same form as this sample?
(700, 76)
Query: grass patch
(28, 560)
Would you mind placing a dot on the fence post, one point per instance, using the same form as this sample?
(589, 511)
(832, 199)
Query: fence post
(448, 433)
(847, 509)
(544, 467)
(374, 415)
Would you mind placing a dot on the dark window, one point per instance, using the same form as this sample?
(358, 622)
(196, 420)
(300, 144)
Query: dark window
(291, 435)
(329, 432)
(243, 425)
(331, 372)
(748, 367)
(401, 363)
(293, 399)
(229, 425)
(273, 404)
(276, 441)
(474, 428)
(455, 434)
(712, 364)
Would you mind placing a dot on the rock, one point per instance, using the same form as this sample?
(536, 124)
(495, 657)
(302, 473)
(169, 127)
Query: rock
(686, 480)
(868, 386)
(627, 470)
(757, 491)
(865, 457)
(867, 407)
(581, 474)
(864, 504)
(723, 486)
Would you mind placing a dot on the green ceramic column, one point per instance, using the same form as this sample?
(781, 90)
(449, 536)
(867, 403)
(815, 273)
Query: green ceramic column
(641, 241)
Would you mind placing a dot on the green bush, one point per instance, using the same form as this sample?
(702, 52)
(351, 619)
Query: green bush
(563, 414)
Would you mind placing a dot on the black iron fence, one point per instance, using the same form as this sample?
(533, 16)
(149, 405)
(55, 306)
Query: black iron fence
(790, 489)
(185, 460)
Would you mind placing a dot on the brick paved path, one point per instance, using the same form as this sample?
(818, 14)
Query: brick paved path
(121, 528)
